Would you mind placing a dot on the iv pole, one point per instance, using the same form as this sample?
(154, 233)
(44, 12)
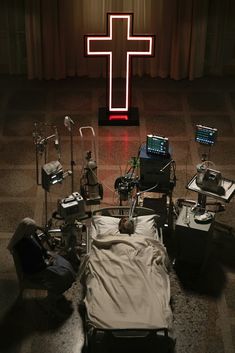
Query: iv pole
(41, 147)
(68, 122)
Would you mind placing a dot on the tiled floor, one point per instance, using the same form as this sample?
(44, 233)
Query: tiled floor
(204, 306)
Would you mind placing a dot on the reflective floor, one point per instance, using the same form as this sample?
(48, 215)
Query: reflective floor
(203, 304)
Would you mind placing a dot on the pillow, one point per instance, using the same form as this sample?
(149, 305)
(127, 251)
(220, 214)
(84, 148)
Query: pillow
(106, 225)
(144, 225)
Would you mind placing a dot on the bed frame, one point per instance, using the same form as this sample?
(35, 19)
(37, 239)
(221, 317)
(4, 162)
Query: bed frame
(123, 211)
(124, 340)
(127, 341)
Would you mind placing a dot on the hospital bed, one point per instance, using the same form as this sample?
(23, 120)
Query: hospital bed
(126, 285)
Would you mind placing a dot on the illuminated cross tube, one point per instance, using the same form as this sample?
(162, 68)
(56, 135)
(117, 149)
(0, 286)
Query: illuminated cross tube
(101, 45)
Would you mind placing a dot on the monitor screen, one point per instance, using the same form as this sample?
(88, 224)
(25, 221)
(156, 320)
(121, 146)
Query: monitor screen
(205, 135)
(157, 145)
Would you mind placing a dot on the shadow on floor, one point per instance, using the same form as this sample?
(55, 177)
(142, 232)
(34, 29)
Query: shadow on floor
(209, 281)
(212, 280)
(24, 318)
(224, 245)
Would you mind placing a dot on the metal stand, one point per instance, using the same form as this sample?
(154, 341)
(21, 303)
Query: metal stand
(45, 191)
(68, 122)
(90, 188)
(200, 206)
(72, 163)
(41, 141)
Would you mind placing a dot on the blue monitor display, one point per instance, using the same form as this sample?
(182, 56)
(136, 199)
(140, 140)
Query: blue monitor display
(157, 145)
(205, 135)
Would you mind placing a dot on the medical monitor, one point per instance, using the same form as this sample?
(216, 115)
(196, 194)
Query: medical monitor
(205, 135)
(157, 145)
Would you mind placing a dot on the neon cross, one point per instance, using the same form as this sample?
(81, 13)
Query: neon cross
(132, 41)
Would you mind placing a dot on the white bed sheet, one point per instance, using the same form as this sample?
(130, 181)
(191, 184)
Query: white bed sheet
(127, 283)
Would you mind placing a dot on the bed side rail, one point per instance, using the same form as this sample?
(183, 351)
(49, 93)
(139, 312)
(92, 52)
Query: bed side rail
(123, 211)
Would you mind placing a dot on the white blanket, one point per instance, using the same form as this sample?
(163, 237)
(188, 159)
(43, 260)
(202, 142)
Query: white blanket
(127, 283)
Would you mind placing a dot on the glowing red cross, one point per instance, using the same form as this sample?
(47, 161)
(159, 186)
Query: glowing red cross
(104, 44)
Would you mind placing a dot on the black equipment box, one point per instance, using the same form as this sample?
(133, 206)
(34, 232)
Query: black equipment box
(52, 173)
(151, 172)
(72, 205)
(193, 240)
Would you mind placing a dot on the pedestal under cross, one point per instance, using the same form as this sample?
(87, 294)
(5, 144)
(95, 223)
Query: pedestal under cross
(119, 28)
